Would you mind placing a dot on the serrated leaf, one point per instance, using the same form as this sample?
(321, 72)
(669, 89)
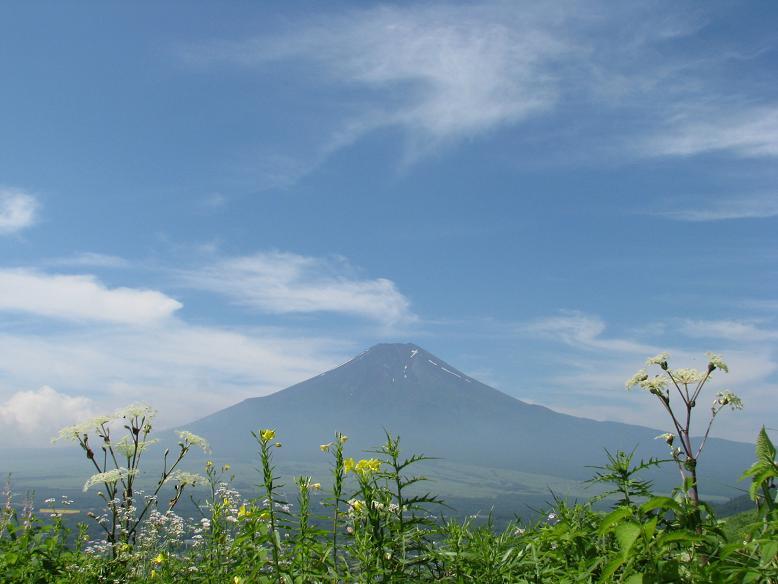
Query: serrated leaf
(765, 451)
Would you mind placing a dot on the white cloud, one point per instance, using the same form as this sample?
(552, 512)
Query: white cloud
(31, 418)
(732, 330)
(748, 131)
(282, 283)
(184, 371)
(736, 207)
(583, 331)
(442, 72)
(18, 210)
(213, 201)
(588, 378)
(81, 298)
(91, 260)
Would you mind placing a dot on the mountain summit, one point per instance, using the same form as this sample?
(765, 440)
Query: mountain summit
(440, 411)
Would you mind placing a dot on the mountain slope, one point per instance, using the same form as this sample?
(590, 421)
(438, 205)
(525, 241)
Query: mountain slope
(438, 410)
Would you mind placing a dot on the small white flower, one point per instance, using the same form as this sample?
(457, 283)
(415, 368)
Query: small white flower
(76, 431)
(186, 478)
(716, 362)
(110, 477)
(126, 446)
(687, 376)
(194, 440)
(658, 359)
(655, 385)
(727, 398)
(136, 411)
(636, 379)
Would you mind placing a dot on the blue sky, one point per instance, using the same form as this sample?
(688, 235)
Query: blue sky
(205, 202)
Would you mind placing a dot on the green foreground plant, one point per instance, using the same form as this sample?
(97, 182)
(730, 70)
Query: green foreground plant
(373, 522)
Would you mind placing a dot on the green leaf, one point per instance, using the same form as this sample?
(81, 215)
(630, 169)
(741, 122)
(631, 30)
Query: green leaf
(614, 517)
(627, 533)
(660, 502)
(611, 568)
(649, 528)
(676, 536)
(765, 451)
(634, 579)
(769, 550)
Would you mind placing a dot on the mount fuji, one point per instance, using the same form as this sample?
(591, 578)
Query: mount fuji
(442, 412)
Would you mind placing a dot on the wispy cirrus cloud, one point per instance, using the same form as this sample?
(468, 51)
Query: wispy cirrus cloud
(81, 298)
(446, 73)
(18, 210)
(583, 331)
(284, 283)
(442, 73)
(91, 260)
(590, 367)
(745, 130)
(731, 330)
(754, 206)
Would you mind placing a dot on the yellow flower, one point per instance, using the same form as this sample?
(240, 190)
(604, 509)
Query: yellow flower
(348, 465)
(153, 574)
(159, 559)
(316, 486)
(264, 515)
(267, 434)
(368, 465)
(226, 502)
(325, 447)
(357, 505)
(237, 580)
(242, 511)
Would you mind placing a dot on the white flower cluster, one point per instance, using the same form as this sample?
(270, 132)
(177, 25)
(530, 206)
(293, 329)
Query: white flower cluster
(76, 431)
(716, 362)
(727, 398)
(110, 477)
(126, 446)
(136, 411)
(655, 385)
(659, 359)
(184, 478)
(132, 412)
(161, 529)
(635, 379)
(687, 376)
(193, 440)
